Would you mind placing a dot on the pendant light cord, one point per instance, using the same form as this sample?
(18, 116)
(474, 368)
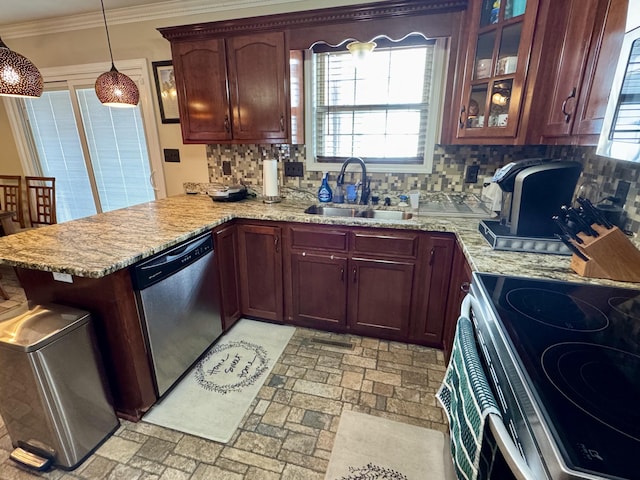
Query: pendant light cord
(104, 16)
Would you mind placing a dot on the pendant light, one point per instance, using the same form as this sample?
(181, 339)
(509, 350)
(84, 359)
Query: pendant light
(18, 76)
(115, 89)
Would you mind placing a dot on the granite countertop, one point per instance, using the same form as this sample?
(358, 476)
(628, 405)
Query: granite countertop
(101, 244)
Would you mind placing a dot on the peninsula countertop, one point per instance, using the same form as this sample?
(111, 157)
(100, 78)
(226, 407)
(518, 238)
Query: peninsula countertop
(101, 244)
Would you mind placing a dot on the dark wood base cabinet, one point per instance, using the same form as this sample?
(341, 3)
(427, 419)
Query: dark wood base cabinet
(260, 269)
(225, 240)
(458, 288)
(384, 283)
(389, 284)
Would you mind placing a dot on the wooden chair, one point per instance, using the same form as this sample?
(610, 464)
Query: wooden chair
(11, 196)
(41, 192)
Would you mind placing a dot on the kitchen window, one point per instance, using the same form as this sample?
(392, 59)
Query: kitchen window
(101, 157)
(385, 108)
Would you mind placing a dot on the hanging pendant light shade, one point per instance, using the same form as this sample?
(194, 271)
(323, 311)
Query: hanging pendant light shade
(18, 76)
(361, 50)
(115, 89)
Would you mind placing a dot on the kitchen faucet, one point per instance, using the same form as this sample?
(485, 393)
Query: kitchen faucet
(366, 185)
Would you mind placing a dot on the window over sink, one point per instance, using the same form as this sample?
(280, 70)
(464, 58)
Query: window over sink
(385, 108)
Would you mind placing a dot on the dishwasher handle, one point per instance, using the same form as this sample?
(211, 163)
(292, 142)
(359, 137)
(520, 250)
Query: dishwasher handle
(165, 264)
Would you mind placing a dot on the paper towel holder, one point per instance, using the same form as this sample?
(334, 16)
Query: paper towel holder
(271, 199)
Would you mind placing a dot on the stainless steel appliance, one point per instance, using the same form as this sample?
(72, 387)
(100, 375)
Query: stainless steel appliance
(177, 296)
(231, 193)
(533, 192)
(564, 361)
(54, 397)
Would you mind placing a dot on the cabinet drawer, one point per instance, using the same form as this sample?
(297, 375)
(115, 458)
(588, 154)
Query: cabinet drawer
(387, 243)
(319, 238)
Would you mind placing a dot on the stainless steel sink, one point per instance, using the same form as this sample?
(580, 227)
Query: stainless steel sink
(357, 213)
(386, 214)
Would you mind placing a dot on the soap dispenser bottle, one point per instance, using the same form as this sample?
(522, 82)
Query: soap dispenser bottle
(324, 192)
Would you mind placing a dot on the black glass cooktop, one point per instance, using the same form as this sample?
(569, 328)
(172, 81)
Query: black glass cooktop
(580, 346)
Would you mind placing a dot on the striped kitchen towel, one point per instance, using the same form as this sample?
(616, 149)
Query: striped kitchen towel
(467, 400)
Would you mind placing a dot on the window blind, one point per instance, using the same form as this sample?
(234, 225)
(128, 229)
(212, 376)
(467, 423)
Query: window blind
(376, 110)
(626, 126)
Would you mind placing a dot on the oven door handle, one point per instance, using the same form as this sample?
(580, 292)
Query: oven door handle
(507, 446)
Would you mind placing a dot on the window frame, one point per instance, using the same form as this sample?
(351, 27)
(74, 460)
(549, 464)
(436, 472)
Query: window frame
(78, 75)
(434, 118)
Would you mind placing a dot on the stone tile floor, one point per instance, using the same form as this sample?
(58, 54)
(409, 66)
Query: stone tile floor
(289, 429)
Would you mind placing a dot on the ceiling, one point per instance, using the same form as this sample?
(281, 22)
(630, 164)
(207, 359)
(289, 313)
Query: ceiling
(23, 11)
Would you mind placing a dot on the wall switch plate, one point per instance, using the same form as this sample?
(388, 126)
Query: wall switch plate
(471, 176)
(172, 155)
(226, 167)
(293, 169)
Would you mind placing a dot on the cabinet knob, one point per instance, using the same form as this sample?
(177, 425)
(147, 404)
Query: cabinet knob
(465, 287)
(227, 127)
(282, 123)
(567, 115)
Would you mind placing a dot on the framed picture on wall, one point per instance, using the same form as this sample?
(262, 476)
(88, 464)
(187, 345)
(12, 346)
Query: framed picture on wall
(166, 89)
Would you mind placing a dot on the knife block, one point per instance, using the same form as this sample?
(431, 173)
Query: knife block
(611, 255)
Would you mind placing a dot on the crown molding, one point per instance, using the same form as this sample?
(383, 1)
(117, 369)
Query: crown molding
(364, 13)
(156, 11)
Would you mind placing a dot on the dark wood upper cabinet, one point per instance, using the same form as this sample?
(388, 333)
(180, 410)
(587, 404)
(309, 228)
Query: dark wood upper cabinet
(535, 71)
(233, 90)
(234, 77)
(585, 36)
(259, 87)
(200, 70)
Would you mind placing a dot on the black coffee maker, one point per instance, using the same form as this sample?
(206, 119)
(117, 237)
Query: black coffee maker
(533, 192)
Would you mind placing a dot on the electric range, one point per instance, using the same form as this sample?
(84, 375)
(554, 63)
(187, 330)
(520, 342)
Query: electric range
(565, 358)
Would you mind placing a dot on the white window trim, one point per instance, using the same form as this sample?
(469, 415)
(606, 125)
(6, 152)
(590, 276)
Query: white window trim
(434, 121)
(138, 71)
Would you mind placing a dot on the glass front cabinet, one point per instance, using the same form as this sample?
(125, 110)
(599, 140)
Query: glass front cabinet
(498, 47)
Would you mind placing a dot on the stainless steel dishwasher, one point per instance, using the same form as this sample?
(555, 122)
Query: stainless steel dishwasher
(177, 296)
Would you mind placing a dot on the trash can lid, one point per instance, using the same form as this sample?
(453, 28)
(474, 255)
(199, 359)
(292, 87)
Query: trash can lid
(39, 326)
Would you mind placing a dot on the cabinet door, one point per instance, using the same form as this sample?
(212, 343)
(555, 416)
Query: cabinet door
(380, 294)
(458, 288)
(319, 293)
(200, 71)
(603, 57)
(434, 289)
(260, 262)
(567, 35)
(226, 254)
(497, 57)
(258, 85)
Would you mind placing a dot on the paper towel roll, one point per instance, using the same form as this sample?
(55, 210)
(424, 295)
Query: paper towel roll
(270, 178)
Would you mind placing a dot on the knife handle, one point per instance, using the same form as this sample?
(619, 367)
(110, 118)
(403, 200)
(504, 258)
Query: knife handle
(564, 228)
(572, 247)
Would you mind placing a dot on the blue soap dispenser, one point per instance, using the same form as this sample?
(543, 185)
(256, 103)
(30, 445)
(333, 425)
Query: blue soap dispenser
(324, 193)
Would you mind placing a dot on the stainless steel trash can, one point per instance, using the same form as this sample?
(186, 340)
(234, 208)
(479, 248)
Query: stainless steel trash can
(54, 398)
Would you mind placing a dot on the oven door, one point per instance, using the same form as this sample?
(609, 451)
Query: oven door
(512, 432)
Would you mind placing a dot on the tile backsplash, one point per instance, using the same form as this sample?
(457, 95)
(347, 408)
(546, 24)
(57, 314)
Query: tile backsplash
(449, 166)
